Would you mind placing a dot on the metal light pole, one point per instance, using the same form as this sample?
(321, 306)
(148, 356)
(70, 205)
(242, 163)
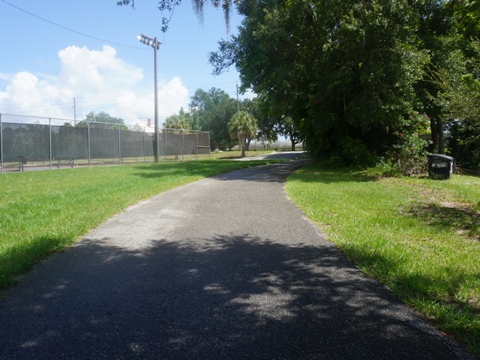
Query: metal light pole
(155, 44)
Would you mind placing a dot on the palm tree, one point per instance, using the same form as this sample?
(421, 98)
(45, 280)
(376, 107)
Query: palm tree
(242, 126)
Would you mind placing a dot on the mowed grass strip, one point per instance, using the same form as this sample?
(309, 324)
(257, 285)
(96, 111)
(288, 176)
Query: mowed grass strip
(420, 237)
(42, 212)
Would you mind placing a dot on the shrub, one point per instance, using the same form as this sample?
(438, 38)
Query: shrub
(409, 152)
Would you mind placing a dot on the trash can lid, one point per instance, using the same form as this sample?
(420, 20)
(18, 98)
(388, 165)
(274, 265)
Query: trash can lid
(440, 156)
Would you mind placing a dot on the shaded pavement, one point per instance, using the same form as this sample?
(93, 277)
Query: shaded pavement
(223, 268)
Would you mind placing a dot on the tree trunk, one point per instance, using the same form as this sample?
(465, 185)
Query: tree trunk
(441, 137)
(437, 143)
(434, 135)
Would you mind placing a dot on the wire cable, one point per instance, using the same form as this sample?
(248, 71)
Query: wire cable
(74, 31)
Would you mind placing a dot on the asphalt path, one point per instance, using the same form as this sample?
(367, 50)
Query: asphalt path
(223, 268)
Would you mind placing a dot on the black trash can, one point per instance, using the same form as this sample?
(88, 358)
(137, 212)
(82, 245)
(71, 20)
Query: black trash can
(440, 167)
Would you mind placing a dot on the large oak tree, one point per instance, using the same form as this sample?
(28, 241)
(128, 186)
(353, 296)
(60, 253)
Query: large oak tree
(351, 73)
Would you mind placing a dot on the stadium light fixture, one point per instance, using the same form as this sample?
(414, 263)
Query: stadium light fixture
(155, 44)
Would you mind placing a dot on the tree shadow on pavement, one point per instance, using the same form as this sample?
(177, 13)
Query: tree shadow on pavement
(271, 173)
(226, 297)
(201, 168)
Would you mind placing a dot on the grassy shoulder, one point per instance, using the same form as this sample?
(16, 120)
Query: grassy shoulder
(420, 237)
(42, 212)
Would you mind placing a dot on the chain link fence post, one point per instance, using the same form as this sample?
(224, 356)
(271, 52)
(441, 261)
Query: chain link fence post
(196, 146)
(88, 143)
(119, 146)
(50, 142)
(144, 145)
(183, 144)
(166, 147)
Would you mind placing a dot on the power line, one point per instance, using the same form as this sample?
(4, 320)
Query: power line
(71, 30)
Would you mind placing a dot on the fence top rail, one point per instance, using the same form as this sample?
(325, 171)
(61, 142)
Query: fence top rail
(76, 122)
(185, 131)
(35, 117)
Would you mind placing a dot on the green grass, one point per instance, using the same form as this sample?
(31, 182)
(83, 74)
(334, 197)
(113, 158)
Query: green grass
(42, 212)
(420, 237)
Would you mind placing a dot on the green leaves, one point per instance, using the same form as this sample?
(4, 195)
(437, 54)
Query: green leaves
(343, 71)
(182, 120)
(458, 96)
(242, 126)
(348, 71)
(211, 111)
(103, 120)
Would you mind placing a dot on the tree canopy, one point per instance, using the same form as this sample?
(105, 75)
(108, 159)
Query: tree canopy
(343, 71)
(349, 75)
(212, 110)
(103, 119)
(182, 120)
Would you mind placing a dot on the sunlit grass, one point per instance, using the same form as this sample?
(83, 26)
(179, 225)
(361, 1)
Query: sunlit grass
(418, 236)
(42, 212)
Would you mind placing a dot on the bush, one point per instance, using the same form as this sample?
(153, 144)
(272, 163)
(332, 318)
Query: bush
(354, 152)
(409, 154)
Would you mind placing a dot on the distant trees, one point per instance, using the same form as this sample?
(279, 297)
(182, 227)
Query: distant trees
(287, 128)
(267, 124)
(182, 120)
(212, 110)
(103, 120)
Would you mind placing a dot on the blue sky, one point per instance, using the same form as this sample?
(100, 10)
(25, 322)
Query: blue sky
(43, 67)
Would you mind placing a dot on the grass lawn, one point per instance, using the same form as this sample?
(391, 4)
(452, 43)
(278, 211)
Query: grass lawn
(420, 237)
(42, 212)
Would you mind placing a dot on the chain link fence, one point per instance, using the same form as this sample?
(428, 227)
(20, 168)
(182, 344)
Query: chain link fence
(28, 143)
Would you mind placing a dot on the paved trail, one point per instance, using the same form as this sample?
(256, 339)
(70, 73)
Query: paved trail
(224, 268)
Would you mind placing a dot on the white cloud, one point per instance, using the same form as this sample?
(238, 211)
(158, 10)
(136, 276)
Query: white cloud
(86, 69)
(99, 81)
(25, 90)
(172, 96)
